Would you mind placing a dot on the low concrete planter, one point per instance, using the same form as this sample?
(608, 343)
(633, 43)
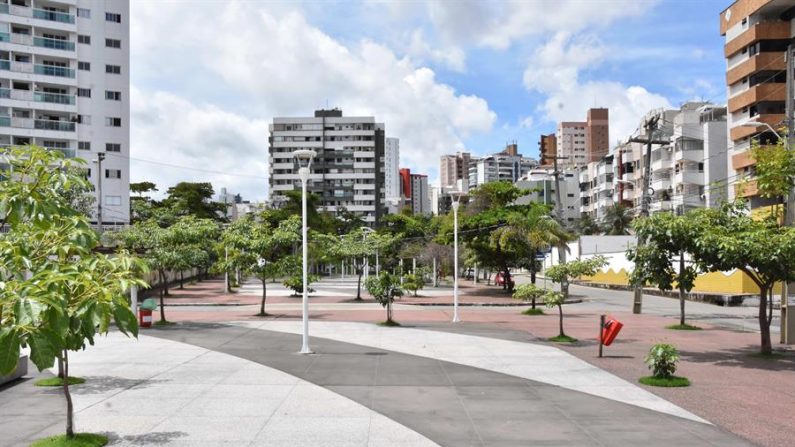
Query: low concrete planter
(22, 369)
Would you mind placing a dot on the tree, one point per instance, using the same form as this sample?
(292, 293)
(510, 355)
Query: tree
(587, 226)
(530, 292)
(259, 248)
(617, 220)
(195, 199)
(56, 292)
(556, 299)
(385, 288)
(730, 239)
(667, 237)
(356, 246)
(576, 268)
(141, 188)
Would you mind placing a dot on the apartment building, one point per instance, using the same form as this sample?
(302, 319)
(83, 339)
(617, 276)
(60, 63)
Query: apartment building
(541, 184)
(508, 165)
(453, 168)
(64, 85)
(548, 149)
(347, 170)
(757, 34)
(415, 191)
(391, 168)
(580, 142)
(597, 187)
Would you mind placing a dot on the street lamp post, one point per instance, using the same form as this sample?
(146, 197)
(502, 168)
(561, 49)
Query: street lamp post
(455, 196)
(304, 158)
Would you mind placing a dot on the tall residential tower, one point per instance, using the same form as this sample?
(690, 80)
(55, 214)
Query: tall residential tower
(64, 85)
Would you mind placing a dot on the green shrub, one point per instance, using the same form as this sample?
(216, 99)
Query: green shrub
(528, 292)
(384, 288)
(296, 283)
(662, 360)
(413, 282)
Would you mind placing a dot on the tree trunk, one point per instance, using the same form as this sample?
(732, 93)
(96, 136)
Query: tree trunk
(264, 296)
(764, 323)
(533, 275)
(389, 310)
(181, 280)
(70, 433)
(359, 284)
(165, 283)
(681, 289)
(60, 368)
(162, 306)
(560, 313)
(533, 300)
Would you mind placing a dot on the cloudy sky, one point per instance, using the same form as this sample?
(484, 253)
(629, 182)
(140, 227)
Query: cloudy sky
(445, 75)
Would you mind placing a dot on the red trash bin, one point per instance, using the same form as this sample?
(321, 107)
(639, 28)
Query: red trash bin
(610, 330)
(144, 318)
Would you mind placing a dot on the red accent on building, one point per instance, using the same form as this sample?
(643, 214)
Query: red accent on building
(405, 182)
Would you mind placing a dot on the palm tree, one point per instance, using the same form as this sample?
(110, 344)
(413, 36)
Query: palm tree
(587, 226)
(617, 220)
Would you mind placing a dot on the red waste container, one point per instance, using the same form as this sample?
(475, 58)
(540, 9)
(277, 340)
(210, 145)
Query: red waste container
(610, 330)
(144, 318)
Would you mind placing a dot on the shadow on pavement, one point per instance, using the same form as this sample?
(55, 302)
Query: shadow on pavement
(742, 358)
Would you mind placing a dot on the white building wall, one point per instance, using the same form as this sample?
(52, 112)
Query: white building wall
(392, 168)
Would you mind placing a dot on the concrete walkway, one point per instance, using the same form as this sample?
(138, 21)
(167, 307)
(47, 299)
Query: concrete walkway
(159, 392)
(454, 404)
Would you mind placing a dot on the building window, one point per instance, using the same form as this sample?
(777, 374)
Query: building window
(84, 13)
(84, 92)
(113, 69)
(113, 173)
(82, 38)
(84, 145)
(113, 96)
(111, 17)
(112, 147)
(84, 119)
(113, 200)
(84, 66)
(112, 122)
(113, 43)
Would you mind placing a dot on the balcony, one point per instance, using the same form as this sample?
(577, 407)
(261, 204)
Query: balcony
(760, 31)
(5, 37)
(746, 189)
(21, 39)
(3, 8)
(67, 152)
(53, 16)
(5, 93)
(689, 176)
(5, 64)
(739, 132)
(742, 160)
(54, 98)
(757, 93)
(5, 121)
(56, 44)
(62, 126)
(52, 70)
(761, 61)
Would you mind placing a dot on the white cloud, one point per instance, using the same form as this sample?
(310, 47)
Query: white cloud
(274, 63)
(176, 140)
(526, 122)
(499, 23)
(452, 57)
(555, 72)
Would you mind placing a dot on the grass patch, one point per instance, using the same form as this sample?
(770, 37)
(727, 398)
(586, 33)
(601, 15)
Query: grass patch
(667, 382)
(80, 440)
(163, 323)
(562, 339)
(531, 311)
(389, 323)
(683, 327)
(57, 381)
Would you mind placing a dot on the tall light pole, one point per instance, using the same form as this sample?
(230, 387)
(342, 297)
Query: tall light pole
(304, 158)
(98, 161)
(455, 196)
(366, 231)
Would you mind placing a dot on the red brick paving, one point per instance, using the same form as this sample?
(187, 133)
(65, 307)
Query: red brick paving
(749, 396)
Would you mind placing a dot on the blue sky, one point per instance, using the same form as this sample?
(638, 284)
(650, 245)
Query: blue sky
(443, 75)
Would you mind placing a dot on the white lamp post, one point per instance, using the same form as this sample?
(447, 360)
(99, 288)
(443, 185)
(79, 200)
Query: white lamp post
(754, 123)
(366, 231)
(304, 158)
(455, 196)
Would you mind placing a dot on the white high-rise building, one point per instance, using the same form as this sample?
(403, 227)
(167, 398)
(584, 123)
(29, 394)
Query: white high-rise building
(391, 171)
(347, 171)
(64, 85)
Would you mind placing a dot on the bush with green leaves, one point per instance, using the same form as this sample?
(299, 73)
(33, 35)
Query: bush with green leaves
(384, 288)
(296, 283)
(662, 360)
(413, 282)
(562, 273)
(530, 292)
